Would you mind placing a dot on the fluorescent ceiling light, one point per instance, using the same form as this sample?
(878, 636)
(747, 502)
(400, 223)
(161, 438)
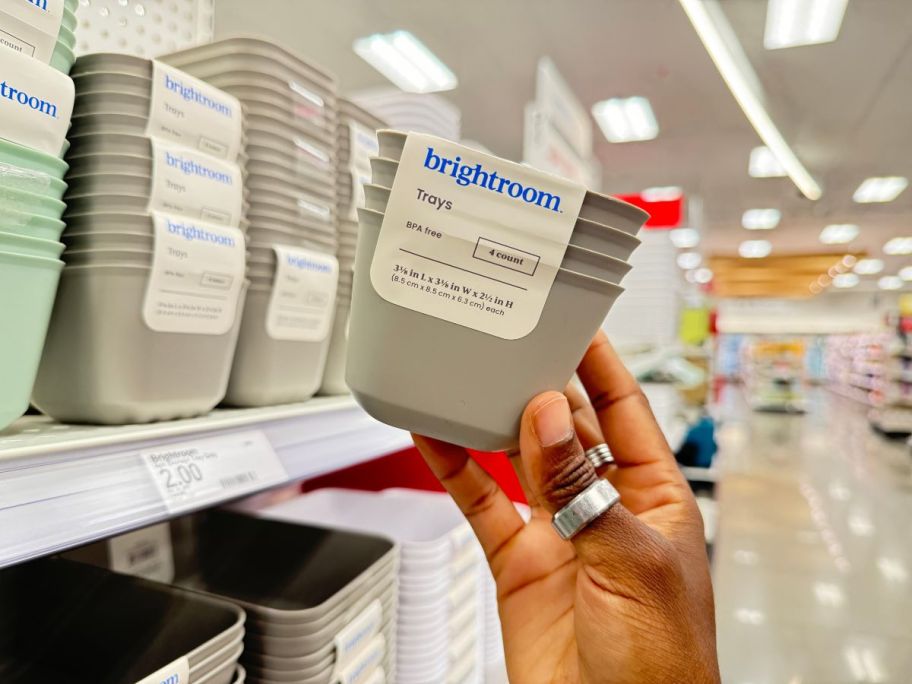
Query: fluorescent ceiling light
(763, 164)
(906, 273)
(839, 233)
(684, 238)
(802, 22)
(761, 219)
(689, 260)
(880, 189)
(406, 61)
(890, 283)
(898, 245)
(755, 249)
(626, 119)
(728, 55)
(869, 266)
(664, 193)
(846, 280)
(829, 594)
(703, 275)
(893, 569)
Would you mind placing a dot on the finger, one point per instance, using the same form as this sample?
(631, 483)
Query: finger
(516, 464)
(623, 410)
(584, 418)
(615, 547)
(587, 426)
(489, 511)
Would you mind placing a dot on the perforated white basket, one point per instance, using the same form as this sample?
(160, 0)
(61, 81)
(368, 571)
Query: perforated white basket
(146, 28)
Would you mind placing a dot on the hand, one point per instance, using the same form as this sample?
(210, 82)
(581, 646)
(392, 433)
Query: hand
(629, 599)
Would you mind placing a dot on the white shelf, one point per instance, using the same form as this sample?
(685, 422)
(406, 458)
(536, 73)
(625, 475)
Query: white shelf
(62, 486)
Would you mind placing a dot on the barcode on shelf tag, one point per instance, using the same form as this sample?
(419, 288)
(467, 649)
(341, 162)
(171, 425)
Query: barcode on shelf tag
(177, 672)
(191, 475)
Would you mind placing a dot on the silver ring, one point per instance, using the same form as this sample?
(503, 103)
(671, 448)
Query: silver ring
(585, 507)
(599, 455)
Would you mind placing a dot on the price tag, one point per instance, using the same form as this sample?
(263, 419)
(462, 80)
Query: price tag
(191, 475)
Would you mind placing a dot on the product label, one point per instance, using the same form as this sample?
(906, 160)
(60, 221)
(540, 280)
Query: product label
(31, 27)
(303, 295)
(352, 638)
(144, 553)
(191, 475)
(194, 113)
(362, 145)
(362, 668)
(36, 103)
(196, 277)
(473, 239)
(196, 185)
(177, 672)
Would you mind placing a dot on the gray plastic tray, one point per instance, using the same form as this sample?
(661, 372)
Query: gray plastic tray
(290, 184)
(225, 658)
(268, 371)
(312, 663)
(112, 81)
(126, 373)
(334, 373)
(590, 243)
(596, 207)
(92, 104)
(108, 257)
(84, 615)
(112, 62)
(239, 53)
(84, 208)
(105, 164)
(482, 403)
(100, 124)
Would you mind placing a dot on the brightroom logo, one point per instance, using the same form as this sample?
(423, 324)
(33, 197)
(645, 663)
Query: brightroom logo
(466, 174)
(23, 98)
(192, 168)
(190, 93)
(305, 264)
(193, 233)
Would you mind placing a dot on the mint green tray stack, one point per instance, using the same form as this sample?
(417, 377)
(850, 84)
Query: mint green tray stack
(31, 188)
(65, 50)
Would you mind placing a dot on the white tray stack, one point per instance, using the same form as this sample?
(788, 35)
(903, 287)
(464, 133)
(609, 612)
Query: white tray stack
(417, 112)
(291, 112)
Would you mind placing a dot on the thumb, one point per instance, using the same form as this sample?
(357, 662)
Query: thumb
(618, 551)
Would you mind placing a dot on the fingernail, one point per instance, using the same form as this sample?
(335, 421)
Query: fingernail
(552, 422)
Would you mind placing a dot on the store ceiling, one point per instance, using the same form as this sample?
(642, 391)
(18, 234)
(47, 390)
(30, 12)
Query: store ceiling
(846, 106)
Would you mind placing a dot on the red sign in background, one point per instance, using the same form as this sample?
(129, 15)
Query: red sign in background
(663, 215)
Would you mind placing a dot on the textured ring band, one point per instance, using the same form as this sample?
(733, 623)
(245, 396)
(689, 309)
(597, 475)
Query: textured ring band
(585, 507)
(600, 455)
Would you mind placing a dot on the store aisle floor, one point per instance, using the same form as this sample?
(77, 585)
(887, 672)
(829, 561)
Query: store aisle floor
(813, 560)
